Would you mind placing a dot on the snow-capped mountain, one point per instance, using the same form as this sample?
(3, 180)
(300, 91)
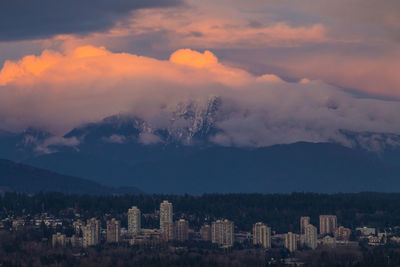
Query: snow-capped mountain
(375, 142)
(198, 120)
(29, 138)
(188, 123)
(179, 155)
(18, 146)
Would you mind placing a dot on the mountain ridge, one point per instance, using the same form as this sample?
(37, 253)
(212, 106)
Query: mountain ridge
(308, 167)
(27, 179)
(125, 150)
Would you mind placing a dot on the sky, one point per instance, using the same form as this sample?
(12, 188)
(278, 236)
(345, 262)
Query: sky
(287, 70)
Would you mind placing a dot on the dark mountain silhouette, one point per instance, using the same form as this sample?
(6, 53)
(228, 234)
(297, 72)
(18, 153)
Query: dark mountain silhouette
(27, 179)
(316, 167)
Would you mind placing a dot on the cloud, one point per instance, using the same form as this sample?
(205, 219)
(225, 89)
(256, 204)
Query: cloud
(354, 13)
(88, 83)
(25, 19)
(373, 75)
(200, 27)
(193, 58)
(149, 138)
(115, 138)
(355, 48)
(50, 144)
(60, 90)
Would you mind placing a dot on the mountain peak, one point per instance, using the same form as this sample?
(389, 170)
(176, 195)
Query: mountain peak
(187, 123)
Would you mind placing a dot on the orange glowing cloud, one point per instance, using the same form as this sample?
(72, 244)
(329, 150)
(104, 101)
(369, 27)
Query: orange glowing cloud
(29, 67)
(90, 82)
(193, 58)
(88, 63)
(88, 51)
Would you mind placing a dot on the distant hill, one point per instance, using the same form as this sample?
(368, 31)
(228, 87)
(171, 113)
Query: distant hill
(299, 167)
(308, 167)
(27, 179)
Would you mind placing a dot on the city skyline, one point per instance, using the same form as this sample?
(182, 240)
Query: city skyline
(221, 232)
(83, 229)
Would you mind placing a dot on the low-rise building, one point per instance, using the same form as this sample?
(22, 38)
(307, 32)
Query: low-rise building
(18, 224)
(395, 239)
(374, 240)
(146, 236)
(366, 231)
(243, 237)
(76, 241)
(205, 232)
(342, 233)
(328, 241)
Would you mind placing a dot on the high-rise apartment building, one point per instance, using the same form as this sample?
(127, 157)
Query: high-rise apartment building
(91, 233)
(134, 220)
(311, 236)
(291, 242)
(222, 233)
(262, 235)
(304, 221)
(205, 232)
(113, 231)
(166, 223)
(182, 230)
(327, 224)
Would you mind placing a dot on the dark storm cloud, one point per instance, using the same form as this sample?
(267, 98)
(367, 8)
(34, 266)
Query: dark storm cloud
(35, 19)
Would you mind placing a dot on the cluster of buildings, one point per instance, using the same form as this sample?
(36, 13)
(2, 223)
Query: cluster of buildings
(36, 221)
(308, 236)
(330, 234)
(87, 234)
(220, 232)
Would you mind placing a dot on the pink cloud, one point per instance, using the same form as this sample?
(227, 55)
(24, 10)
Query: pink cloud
(88, 83)
(375, 75)
(60, 90)
(196, 28)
